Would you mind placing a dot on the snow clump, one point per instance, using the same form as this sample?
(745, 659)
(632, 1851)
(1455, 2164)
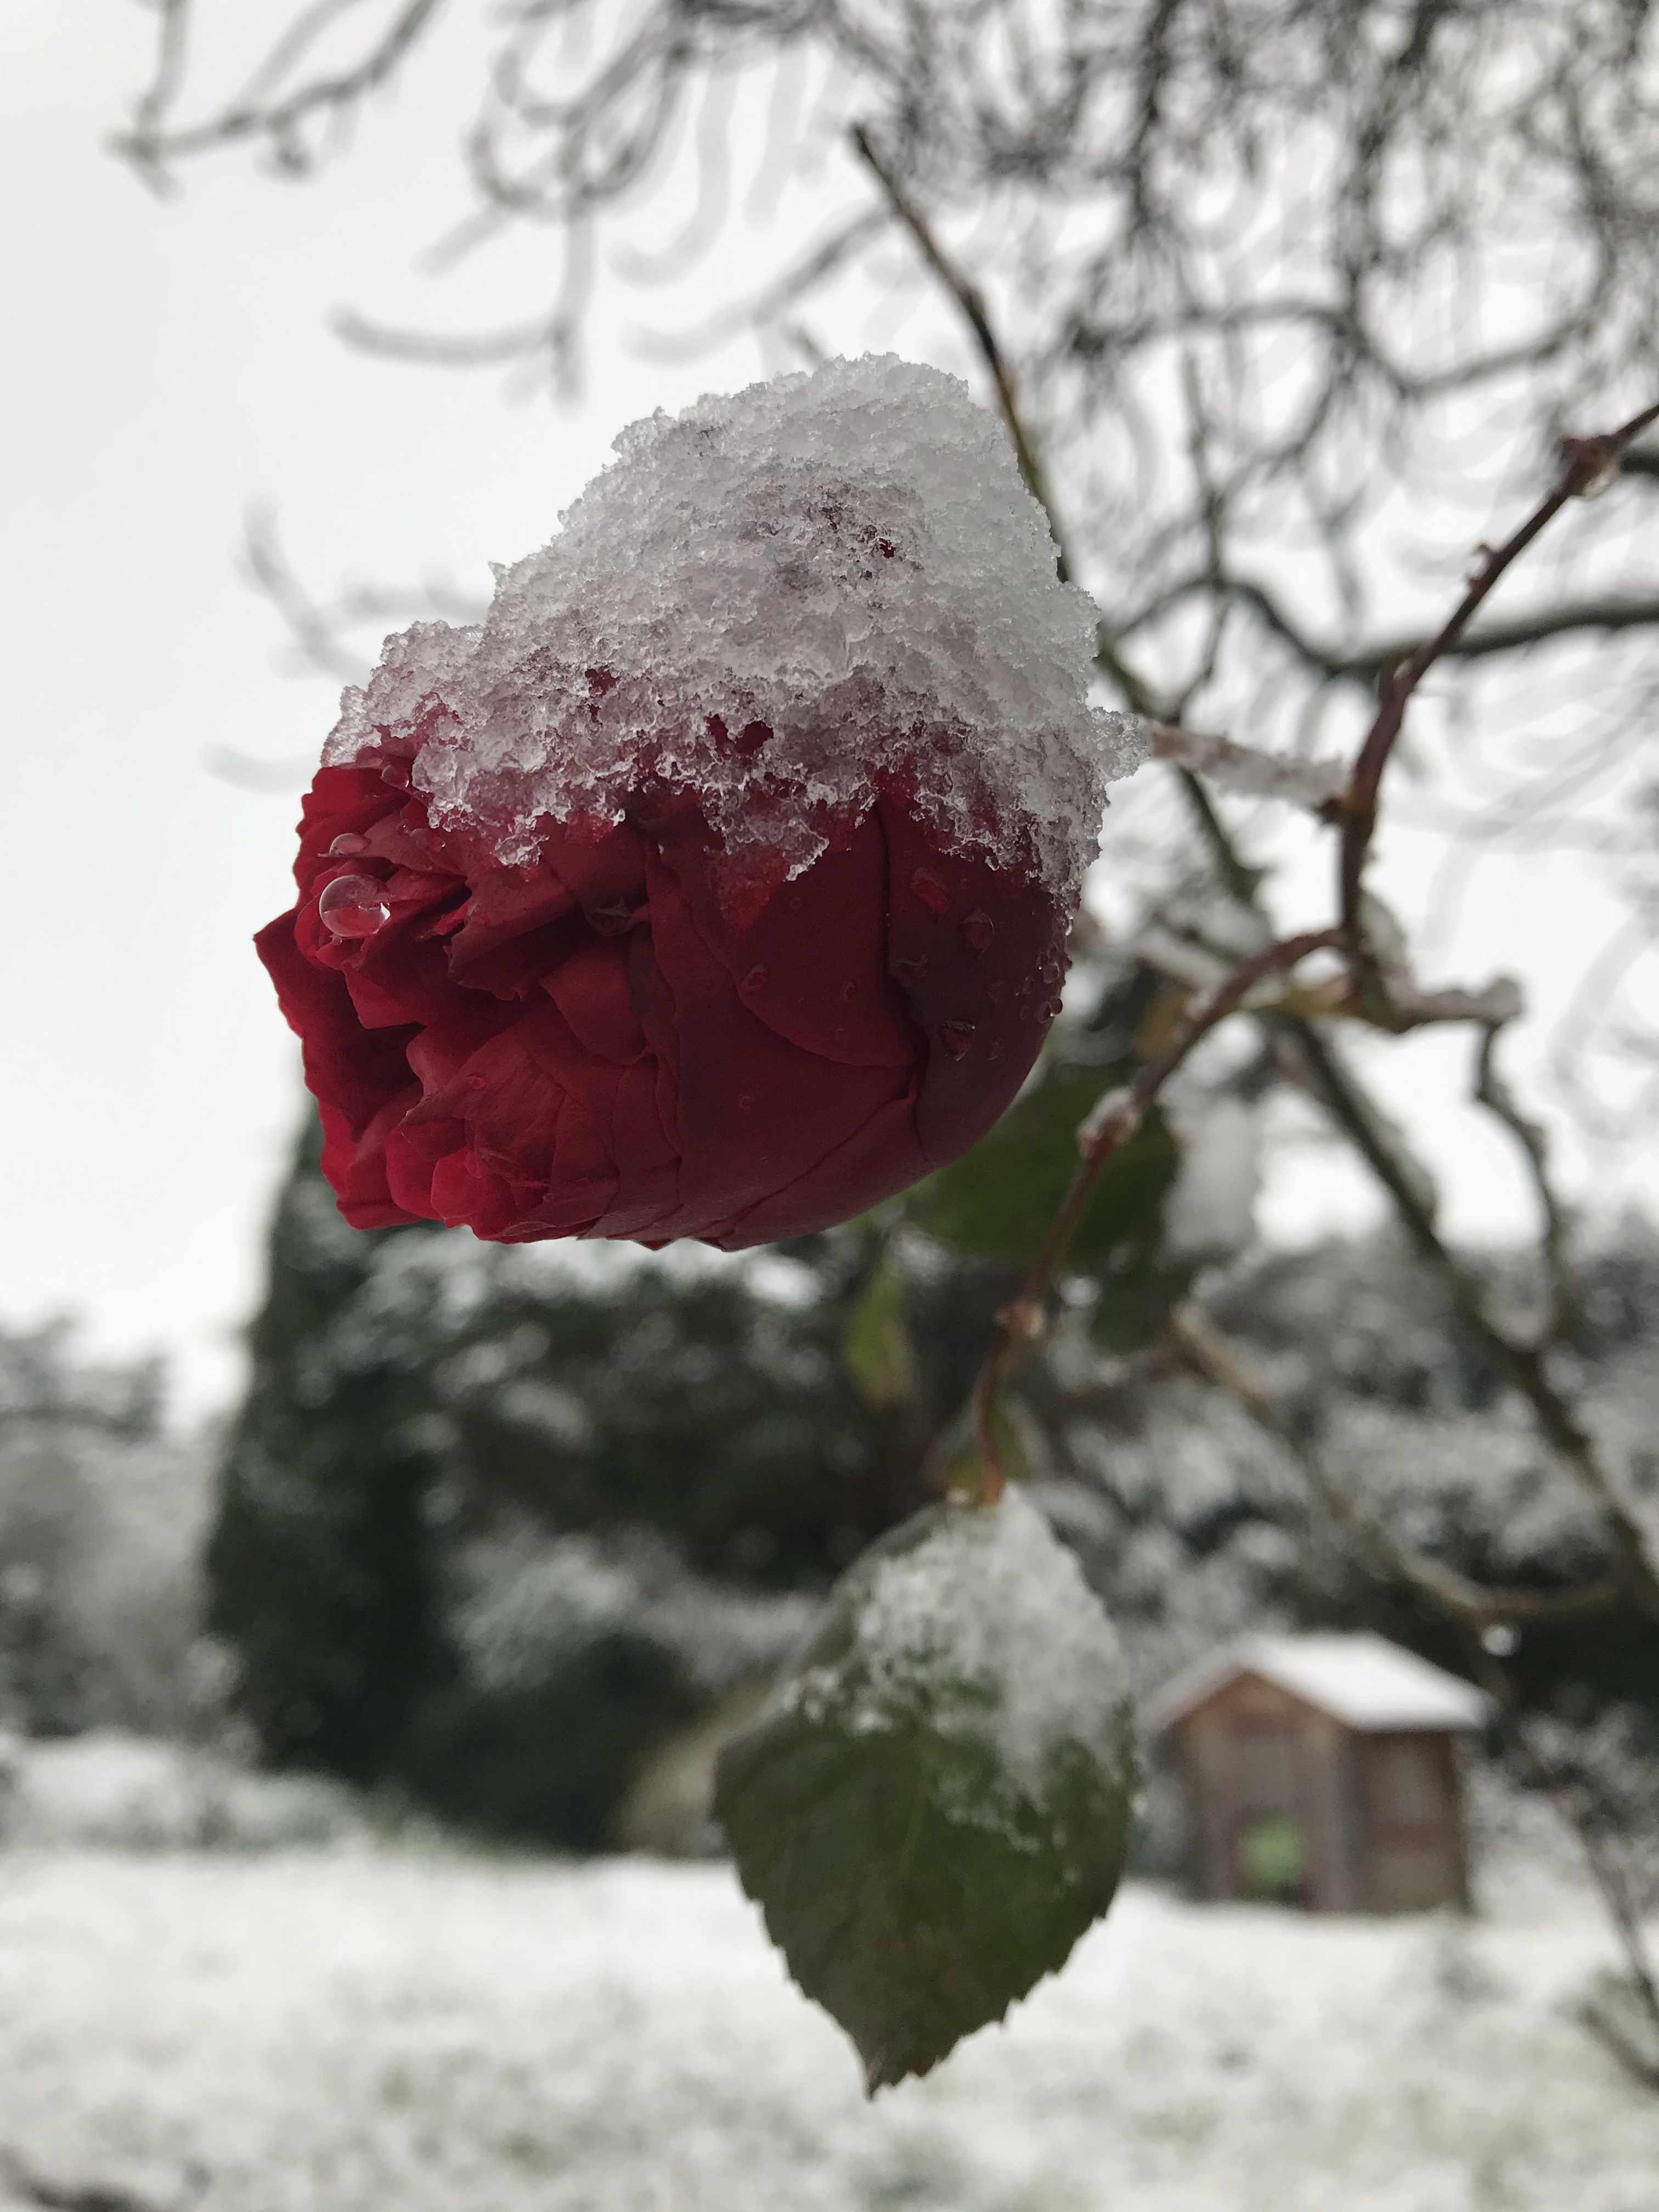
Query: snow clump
(989, 1627)
(769, 601)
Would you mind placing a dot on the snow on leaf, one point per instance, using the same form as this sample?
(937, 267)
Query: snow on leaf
(933, 1807)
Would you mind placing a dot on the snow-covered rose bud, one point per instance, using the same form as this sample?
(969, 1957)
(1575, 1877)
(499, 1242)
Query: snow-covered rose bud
(717, 885)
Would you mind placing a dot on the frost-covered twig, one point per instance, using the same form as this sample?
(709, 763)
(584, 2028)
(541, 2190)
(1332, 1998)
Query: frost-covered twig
(1315, 784)
(1524, 1364)
(1472, 1604)
(1604, 1869)
(1492, 1091)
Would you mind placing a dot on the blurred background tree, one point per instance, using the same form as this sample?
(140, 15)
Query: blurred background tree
(103, 1516)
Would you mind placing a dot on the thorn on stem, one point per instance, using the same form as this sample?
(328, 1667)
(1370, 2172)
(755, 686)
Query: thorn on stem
(1023, 1321)
(1597, 461)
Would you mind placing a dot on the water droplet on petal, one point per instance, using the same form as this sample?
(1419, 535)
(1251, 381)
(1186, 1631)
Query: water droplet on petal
(348, 843)
(353, 906)
(976, 930)
(993, 1050)
(477, 1082)
(910, 971)
(930, 890)
(956, 1038)
(1051, 973)
(745, 1101)
(849, 992)
(754, 979)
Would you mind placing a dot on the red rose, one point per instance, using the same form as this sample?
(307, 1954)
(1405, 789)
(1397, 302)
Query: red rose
(571, 959)
(589, 1046)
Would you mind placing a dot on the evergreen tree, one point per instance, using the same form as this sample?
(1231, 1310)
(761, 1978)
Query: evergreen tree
(321, 1564)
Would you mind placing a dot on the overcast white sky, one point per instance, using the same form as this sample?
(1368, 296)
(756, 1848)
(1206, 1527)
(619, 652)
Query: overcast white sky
(164, 365)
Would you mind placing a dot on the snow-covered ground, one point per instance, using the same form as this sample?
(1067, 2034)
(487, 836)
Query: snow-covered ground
(405, 2026)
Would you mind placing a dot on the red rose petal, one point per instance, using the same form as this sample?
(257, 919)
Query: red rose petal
(881, 1158)
(755, 1112)
(995, 993)
(614, 1043)
(812, 964)
(590, 990)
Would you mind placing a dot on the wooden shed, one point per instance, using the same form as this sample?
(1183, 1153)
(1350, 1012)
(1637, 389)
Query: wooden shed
(1323, 1771)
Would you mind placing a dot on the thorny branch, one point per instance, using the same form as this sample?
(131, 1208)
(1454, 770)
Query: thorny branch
(1475, 1609)
(1589, 462)
(1454, 1595)
(1113, 1121)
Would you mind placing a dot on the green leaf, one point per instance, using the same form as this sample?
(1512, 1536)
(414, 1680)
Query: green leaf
(998, 1198)
(933, 1805)
(876, 1347)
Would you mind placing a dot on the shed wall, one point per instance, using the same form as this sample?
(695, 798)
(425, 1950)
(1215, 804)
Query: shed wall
(1378, 1814)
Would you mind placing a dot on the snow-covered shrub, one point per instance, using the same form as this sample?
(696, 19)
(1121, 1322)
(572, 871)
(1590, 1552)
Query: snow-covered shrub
(102, 1518)
(122, 1792)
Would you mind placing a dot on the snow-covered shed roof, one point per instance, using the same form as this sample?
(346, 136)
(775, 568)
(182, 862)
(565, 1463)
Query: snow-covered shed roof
(1363, 1681)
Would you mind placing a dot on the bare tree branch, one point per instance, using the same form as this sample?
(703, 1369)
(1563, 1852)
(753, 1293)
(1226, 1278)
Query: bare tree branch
(971, 302)
(1492, 1092)
(1523, 1364)
(263, 109)
(1590, 460)
(1475, 1605)
(1364, 664)
(317, 629)
(1109, 1127)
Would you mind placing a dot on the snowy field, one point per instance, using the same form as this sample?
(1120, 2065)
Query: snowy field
(356, 2026)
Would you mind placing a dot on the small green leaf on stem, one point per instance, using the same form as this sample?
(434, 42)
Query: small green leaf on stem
(998, 1198)
(877, 1349)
